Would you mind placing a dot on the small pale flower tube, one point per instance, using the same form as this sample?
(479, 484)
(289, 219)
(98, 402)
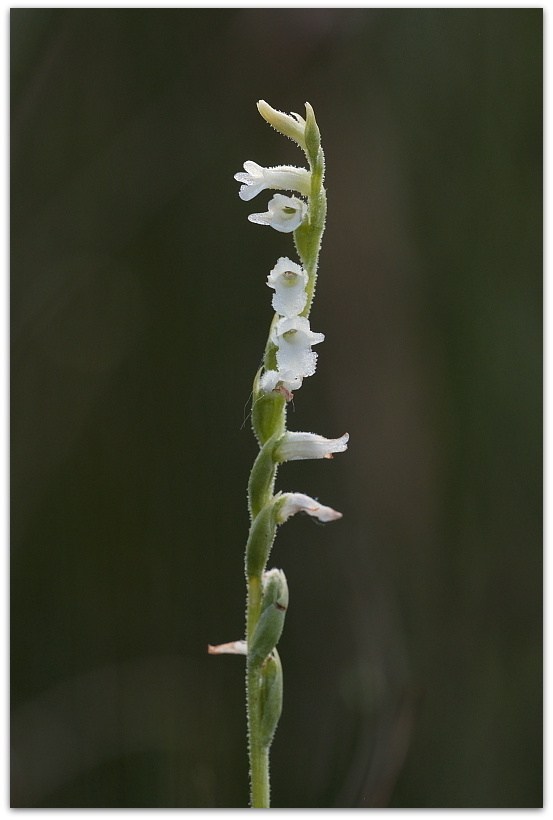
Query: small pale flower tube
(299, 502)
(288, 280)
(285, 214)
(300, 446)
(255, 179)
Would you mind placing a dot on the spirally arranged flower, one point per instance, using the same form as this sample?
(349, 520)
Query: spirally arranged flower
(285, 214)
(293, 338)
(298, 446)
(299, 502)
(280, 178)
(288, 281)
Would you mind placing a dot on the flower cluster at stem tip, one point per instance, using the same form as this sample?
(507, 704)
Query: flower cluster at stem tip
(291, 335)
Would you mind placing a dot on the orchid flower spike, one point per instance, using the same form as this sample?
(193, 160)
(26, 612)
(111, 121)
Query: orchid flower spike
(288, 359)
(281, 178)
(285, 213)
(299, 502)
(299, 446)
(288, 280)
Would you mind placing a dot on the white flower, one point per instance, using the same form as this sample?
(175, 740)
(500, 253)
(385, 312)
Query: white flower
(299, 446)
(232, 648)
(280, 177)
(288, 280)
(293, 338)
(285, 213)
(299, 502)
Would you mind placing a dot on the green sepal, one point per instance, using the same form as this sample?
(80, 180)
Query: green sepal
(262, 476)
(270, 697)
(269, 627)
(261, 537)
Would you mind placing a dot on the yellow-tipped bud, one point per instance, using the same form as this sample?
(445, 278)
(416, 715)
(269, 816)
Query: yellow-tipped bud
(290, 126)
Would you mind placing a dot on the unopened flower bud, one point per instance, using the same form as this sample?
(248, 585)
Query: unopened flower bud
(312, 134)
(291, 126)
(274, 588)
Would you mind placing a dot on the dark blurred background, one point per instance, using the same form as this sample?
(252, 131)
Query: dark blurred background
(412, 650)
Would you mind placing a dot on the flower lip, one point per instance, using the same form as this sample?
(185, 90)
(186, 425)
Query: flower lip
(255, 178)
(299, 446)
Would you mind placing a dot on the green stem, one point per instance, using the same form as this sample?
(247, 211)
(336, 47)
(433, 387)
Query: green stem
(308, 236)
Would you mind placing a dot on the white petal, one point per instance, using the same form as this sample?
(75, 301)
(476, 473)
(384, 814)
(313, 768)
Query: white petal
(268, 380)
(260, 219)
(249, 190)
(300, 361)
(253, 168)
(299, 446)
(299, 502)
